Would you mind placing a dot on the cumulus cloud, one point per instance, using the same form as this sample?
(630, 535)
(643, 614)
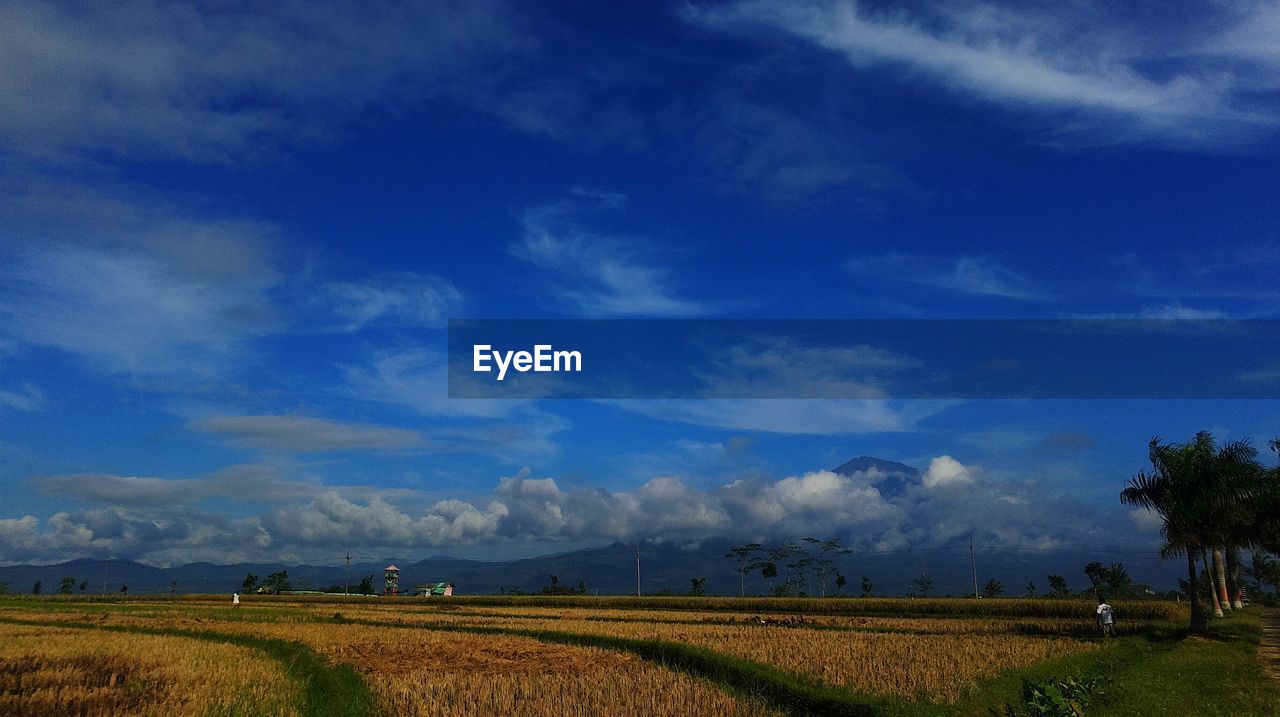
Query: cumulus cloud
(300, 434)
(158, 520)
(947, 471)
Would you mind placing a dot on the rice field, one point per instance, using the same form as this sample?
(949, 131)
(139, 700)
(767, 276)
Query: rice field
(417, 658)
(58, 671)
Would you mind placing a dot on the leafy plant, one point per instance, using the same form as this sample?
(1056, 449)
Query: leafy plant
(1057, 697)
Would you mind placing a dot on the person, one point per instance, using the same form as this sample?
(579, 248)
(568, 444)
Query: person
(235, 599)
(1106, 618)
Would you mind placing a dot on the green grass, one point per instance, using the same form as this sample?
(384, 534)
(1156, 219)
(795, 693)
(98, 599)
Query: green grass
(1216, 675)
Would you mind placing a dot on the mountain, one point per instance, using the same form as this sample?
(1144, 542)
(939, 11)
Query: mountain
(611, 569)
(607, 570)
(890, 478)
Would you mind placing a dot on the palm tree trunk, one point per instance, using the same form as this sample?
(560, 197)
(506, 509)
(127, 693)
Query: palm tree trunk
(1233, 579)
(1199, 621)
(1220, 579)
(1213, 592)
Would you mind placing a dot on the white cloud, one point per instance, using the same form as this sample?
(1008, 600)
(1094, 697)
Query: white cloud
(796, 416)
(947, 471)
(966, 275)
(153, 519)
(400, 299)
(1145, 520)
(1074, 67)
(417, 378)
(593, 274)
(130, 312)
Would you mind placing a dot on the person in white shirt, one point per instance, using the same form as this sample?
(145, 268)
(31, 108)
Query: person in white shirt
(1106, 618)
(235, 599)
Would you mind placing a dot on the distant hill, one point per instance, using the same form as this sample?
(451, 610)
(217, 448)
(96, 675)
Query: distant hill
(611, 569)
(607, 570)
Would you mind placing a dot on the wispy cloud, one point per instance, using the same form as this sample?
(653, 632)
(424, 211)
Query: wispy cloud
(594, 274)
(1092, 78)
(129, 312)
(226, 85)
(26, 397)
(979, 276)
(793, 416)
(303, 434)
(400, 299)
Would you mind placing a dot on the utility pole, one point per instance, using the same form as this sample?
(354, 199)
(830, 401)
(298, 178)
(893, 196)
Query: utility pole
(106, 564)
(973, 563)
(637, 568)
(346, 577)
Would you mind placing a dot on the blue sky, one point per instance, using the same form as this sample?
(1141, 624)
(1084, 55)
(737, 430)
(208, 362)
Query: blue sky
(232, 236)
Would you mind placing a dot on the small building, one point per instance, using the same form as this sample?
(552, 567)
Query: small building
(392, 576)
(433, 589)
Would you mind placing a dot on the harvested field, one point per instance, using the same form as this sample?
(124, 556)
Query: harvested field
(52, 671)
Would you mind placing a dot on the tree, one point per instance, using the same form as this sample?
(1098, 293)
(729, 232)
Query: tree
(277, 583)
(868, 588)
(841, 581)
(173, 587)
(1058, 587)
(825, 565)
(1195, 488)
(4, 588)
(745, 556)
(366, 585)
(993, 588)
(1031, 588)
(769, 571)
(67, 586)
(124, 589)
(1117, 579)
(36, 587)
(84, 585)
(923, 584)
(250, 582)
(698, 586)
(1095, 572)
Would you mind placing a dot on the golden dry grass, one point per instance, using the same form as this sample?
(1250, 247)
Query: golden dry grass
(415, 671)
(936, 666)
(54, 671)
(936, 659)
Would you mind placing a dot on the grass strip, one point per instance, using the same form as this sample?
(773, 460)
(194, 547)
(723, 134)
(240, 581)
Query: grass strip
(328, 690)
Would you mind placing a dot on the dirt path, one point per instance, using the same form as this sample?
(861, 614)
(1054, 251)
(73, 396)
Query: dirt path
(1269, 649)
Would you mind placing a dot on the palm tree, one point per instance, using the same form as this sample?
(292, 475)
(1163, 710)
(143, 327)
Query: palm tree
(1190, 486)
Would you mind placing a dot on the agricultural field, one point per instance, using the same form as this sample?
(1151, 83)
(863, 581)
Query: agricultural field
(552, 656)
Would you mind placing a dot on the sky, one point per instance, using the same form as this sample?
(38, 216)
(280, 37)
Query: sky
(231, 236)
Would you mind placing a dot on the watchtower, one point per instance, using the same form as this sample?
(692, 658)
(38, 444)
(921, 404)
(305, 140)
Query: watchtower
(392, 574)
